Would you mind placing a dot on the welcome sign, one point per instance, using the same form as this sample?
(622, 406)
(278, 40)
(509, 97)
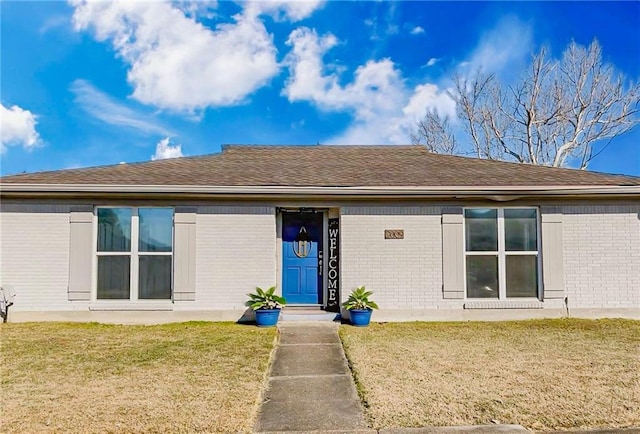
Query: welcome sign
(333, 274)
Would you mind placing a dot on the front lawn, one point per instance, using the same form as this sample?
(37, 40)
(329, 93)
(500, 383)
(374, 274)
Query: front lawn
(189, 377)
(543, 374)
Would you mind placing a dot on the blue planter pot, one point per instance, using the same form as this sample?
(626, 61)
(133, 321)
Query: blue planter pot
(360, 317)
(267, 317)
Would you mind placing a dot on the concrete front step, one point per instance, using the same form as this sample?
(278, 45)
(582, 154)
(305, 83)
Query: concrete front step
(308, 315)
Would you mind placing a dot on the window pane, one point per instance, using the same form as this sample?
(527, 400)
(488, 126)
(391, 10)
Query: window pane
(520, 230)
(155, 277)
(522, 276)
(114, 229)
(113, 277)
(481, 230)
(482, 276)
(156, 226)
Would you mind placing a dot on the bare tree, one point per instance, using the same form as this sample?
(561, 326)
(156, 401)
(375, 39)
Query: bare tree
(551, 116)
(438, 130)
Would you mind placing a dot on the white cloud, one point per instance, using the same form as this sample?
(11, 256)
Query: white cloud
(384, 109)
(175, 62)
(108, 110)
(429, 97)
(17, 127)
(508, 43)
(432, 61)
(417, 30)
(374, 89)
(293, 10)
(194, 8)
(396, 124)
(305, 67)
(164, 149)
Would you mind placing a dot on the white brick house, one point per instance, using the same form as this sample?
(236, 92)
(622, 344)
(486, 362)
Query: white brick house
(435, 237)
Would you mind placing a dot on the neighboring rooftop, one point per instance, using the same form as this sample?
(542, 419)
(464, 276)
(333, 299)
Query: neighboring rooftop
(325, 166)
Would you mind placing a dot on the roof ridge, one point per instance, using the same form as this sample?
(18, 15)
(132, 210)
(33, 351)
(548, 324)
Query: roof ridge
(315, 146)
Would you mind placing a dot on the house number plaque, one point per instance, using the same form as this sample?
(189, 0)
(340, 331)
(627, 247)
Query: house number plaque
(394, 234)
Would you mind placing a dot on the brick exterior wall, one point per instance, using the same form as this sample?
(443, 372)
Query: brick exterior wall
(235, 252)
(34, 255)
(602, 256)
(404, 273)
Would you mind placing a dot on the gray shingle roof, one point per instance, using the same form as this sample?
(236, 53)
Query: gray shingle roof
(322, 166)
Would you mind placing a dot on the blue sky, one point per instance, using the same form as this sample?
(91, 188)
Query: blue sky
(85, 84)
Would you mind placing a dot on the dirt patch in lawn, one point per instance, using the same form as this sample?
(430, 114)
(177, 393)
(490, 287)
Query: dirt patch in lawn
(543, 374)
(189, 377)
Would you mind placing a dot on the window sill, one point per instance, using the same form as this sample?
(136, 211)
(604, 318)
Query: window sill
(131, 306)
(503, 304)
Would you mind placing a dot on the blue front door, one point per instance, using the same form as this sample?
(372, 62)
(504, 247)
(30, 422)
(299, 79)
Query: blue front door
(301, 253)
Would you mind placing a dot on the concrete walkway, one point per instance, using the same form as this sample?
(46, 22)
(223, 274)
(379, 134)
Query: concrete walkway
(310, 386)
(310, 389)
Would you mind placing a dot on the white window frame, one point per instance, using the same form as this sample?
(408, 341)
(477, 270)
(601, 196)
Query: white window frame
(134, 254)
(502, 254)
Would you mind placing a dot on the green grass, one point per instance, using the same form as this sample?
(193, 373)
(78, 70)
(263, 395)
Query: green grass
(543, 374)
(187, 377)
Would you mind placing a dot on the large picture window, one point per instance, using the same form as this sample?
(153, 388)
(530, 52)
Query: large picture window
(501, 252)
(134, 253)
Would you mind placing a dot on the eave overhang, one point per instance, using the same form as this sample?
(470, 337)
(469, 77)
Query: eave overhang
(494, 193)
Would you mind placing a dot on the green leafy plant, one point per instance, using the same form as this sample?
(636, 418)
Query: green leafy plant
(262, 299)
(359, 300)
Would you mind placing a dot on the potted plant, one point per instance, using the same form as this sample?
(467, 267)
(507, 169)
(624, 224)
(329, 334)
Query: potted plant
(360, 307)
(266, 305)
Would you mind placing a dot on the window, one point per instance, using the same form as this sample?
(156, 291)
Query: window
(501, 252)
(134, 253)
